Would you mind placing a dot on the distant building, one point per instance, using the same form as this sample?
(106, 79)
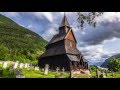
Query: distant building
(61, 51)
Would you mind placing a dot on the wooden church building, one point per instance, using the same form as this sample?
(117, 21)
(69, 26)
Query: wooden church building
(62, 52)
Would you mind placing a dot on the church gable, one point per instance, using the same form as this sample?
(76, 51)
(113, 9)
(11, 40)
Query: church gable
(70, 36)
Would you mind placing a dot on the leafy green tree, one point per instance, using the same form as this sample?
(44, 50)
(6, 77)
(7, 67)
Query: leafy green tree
(114, 65)
(93, 68)
(88, 17)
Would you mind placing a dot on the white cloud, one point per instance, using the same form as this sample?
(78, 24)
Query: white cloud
(109, 17)
(49, 34)
(48, 15)
(96, 53)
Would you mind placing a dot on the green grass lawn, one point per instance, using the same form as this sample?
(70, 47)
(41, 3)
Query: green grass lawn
(52, 74)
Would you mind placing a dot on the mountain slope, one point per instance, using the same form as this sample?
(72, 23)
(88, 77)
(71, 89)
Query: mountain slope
(18, 43)
(107, 61)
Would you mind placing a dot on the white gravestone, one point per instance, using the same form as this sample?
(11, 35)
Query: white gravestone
(57, 69)
(21, 65)
(26, 65)
(46, 69)
(63, 70)
(15, 65)
(36, 68)
(5, 65)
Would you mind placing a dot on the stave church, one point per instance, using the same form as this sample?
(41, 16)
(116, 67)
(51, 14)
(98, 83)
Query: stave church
(62, 51)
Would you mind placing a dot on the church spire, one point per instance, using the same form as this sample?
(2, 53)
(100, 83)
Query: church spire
(64, 22)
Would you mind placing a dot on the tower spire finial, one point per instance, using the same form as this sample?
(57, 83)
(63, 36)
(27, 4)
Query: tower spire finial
(64, 13)
(64, 21)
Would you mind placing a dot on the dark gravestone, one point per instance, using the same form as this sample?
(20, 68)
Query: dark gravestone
(20, 76)
(18, 71)
(59, 77)
(106, 72)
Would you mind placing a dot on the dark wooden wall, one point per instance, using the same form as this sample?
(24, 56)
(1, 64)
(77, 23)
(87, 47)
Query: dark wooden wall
(56, 61)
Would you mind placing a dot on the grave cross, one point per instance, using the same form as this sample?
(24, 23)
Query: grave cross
(57, 69)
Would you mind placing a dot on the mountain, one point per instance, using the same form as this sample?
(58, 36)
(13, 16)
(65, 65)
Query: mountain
(107, 61)
(95, 63)
(18, 43)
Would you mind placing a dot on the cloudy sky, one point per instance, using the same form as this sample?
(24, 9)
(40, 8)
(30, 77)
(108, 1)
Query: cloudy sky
(96, 44)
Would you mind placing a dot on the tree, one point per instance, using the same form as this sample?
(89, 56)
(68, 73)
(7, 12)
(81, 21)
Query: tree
(89, 17)
(93, 67)
(114, 65)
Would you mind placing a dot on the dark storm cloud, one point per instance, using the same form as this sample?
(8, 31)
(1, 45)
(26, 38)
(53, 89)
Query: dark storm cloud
(105, 31)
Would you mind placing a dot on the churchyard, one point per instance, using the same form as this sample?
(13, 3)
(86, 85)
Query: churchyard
(26, 70)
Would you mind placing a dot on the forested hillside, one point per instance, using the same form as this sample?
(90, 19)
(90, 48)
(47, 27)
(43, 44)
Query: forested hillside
(18, 43)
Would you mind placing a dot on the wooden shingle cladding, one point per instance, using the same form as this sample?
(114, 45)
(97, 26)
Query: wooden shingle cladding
(61, 51)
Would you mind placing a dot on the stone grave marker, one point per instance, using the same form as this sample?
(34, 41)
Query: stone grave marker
(71, 74)
(20, 76)
(63, 70)
(57, 69)
(5, 64)
(46, 69)
(11, 68)
(15, 65)
(97, 73)
(26, 65)
(113, 74)
(104, 75)
(42, 69)
(21, 65)
(36, 68)
(18, 72)
(106, 72)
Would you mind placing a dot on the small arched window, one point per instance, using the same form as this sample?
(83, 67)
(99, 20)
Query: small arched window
(70, 44)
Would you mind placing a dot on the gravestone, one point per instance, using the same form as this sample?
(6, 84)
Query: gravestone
(21, 65)
(5, 64)
(59, 76)
(36, 68)
(106, 72)
(103, 75)
(42, 69)
(63, 70)
(11, 68)
(46, 69)
(15, 65)
(113, 74)
(26, 65)
(20, 76)
(57, 69)
(71, 74)
(97, 73)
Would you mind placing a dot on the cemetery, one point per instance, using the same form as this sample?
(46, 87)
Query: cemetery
(25, 70)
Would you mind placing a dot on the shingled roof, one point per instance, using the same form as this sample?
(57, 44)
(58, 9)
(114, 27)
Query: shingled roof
(59, 51)
(57, 38)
